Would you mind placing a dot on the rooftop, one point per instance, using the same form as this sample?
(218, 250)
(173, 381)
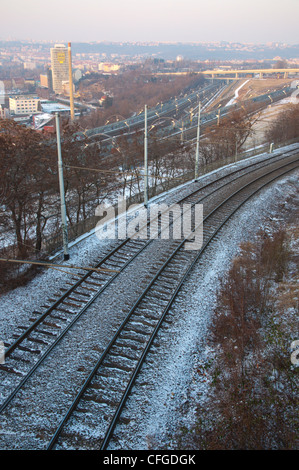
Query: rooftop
(52, 107)
(24, 97)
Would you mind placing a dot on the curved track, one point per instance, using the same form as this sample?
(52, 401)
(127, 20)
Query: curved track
(126, 350)
(109, 383)
(47, 329)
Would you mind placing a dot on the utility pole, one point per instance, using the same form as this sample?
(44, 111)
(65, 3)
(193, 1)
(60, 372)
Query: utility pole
(71, 82)
(62, 195)
(182, 134)
(145, 159)
(197, 144)
(218, 117)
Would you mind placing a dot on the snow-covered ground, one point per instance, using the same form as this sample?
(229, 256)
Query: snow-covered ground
(169, 381)
(233, 100)
(173, 379)
(266, 117)
(18, 305)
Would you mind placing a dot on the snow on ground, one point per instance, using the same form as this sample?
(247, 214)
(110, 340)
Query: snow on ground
(173, 378)
(169, 381)
(16, 307)
(266, 117)
(232, 101)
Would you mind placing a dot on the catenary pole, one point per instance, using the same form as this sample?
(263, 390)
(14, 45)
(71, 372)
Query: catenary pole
(145, 159)
(61, 187)
(197, 143)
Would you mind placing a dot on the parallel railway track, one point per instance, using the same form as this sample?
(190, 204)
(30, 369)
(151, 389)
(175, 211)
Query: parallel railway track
(128, 347)
(110, 382)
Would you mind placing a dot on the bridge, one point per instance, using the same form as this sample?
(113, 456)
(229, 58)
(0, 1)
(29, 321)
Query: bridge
(240, 73)
(236, 74)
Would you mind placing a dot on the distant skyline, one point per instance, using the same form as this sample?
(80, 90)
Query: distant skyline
(257, 21)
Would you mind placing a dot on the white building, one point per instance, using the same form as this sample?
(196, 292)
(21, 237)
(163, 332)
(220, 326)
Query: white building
(108, 67)
(29, 65)
(60, 67)
(66, 88)
(24, 105)
(4, 112)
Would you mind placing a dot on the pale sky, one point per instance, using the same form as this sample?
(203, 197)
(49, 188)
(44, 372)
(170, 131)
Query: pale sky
(257, 21)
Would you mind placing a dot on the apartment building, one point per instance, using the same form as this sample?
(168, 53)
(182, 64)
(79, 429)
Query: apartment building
(60, 67)
(46, 80)
(24, 105)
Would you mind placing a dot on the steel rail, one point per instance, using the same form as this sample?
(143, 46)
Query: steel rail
(13, 346)
(171, 107)
(117, 413)
(141, 297)
(6, 402)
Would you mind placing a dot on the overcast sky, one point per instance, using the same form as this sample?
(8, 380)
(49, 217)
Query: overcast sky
(258, 21)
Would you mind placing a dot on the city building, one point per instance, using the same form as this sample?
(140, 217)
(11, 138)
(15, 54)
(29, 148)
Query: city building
(108, 67)
(29, 65)
(24, 105)
(30, 81)
(44, 122)
(52, 107)
(60, 67)
(77, 75)
(18, 83)
(46, 80)
(66, 88)
(4, 112)
(106, 101)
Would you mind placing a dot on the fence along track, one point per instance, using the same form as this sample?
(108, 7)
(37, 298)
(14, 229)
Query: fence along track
(100, 399)
(84, 292)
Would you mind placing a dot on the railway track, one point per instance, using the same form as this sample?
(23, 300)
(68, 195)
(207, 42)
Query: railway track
(174, 108)
(48, 328)
(209, 118)
(129, 345)
(110, 382)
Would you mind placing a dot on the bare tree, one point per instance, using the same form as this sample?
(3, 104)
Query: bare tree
(286, 126)
(25, 160)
